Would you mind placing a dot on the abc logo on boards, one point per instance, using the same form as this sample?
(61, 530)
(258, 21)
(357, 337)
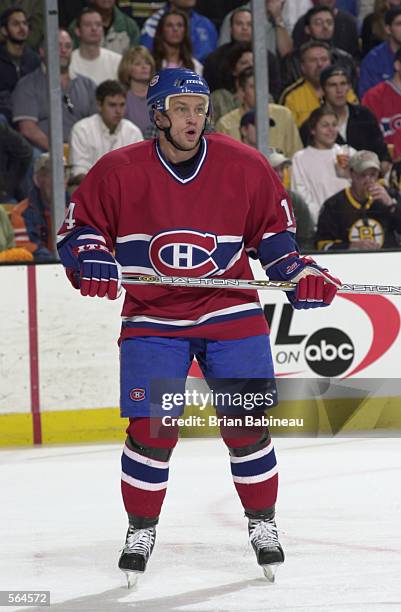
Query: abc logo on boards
(329, 352)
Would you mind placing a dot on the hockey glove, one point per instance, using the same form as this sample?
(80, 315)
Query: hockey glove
(316, 287)
(99, 272)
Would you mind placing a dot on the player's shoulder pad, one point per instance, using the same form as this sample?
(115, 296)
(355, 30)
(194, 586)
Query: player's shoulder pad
(134, 154)
(230, 150)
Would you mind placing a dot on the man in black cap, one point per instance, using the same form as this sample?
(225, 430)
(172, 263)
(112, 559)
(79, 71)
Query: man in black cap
(358, 127)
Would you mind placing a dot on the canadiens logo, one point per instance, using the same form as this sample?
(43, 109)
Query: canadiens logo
(138, 394)
(183, 252)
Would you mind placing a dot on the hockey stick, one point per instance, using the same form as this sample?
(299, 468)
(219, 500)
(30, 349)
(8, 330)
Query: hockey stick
(232, 283)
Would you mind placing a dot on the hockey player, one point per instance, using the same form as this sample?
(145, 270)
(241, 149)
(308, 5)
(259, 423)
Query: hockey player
(192, 205)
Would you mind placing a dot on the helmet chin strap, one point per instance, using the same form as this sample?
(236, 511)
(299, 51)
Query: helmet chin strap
(166, 131)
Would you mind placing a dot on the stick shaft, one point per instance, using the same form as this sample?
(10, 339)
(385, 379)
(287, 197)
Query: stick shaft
(232, 283)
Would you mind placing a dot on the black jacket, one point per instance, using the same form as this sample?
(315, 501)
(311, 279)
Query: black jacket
(363, 132)
(15, 158)
(10, 74)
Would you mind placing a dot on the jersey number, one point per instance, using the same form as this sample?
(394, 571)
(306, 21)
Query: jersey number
(69, 218)
(284, 204)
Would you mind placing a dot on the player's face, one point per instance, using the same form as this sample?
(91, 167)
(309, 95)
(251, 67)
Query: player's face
(65, 49)
(361, 182)
(90, 30)
(140, 70)
(313, 62)
(321, 26)
(112, 110)
(325, 132)
(336, 89)
(187, 115)
(174, 29)
(241, 28)
(17, 28)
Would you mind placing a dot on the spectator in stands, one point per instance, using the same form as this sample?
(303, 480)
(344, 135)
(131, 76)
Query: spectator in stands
(203, 32)
(67, 11)
(314, 170)
(305, 226)
(8, 251)
(105, 131)
(31, 105)
(319, 25)
(306, 94)
(91, 59)
(135, 72)
(378, 64)
(364, 215)
(216, 11)
(15, 158)
(31, 218)
(33, 9)
(357, 125)
(217, 65)
(225, 100)
(349, 6)
(7, 240)
(373, 28)
(283, 132)
(120, 32)
(140, 10)
(172, 47)
(240, 57)
(281, 164)
(278, 37)
(16, 58)
(345, 29)
(384, 100)
(365, 7)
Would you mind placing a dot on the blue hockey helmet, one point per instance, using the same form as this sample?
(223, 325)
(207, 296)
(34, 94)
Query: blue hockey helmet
(172, 82)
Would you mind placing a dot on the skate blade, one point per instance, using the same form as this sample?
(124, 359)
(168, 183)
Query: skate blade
(270, 571)
(132, 579)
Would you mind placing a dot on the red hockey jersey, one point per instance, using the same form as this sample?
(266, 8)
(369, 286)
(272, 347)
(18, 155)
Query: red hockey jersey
(384, 100)
(232, 206)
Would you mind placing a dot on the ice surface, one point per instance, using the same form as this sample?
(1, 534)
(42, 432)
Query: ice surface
(339, 513)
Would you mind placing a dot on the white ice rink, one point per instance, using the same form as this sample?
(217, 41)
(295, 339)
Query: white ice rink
(339, 513)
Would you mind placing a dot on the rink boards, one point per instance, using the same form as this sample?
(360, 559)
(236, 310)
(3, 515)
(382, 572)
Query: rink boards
(338, 368)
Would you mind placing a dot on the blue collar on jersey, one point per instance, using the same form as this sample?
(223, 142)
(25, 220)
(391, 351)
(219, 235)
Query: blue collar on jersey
(200, 157)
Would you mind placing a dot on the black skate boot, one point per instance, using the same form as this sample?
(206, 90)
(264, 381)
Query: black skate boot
(264, 539)
(138, 547)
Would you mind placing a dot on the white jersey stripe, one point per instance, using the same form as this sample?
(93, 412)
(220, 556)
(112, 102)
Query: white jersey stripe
(258, 478)
(140, 484)
(185, 322)
(160, 465)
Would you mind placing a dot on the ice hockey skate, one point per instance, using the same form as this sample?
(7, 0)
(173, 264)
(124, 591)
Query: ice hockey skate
(138, 547)
(264, 539)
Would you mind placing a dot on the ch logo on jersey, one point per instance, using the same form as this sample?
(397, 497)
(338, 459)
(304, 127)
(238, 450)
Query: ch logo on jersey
(137, 394)
(183, 253)
(367, 229)
(391, 125)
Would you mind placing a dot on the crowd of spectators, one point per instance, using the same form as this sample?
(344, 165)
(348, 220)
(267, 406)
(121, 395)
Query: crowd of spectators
(334, 107)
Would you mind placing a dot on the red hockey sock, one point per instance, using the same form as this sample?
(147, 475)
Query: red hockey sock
(253, 466)
(145, 466)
